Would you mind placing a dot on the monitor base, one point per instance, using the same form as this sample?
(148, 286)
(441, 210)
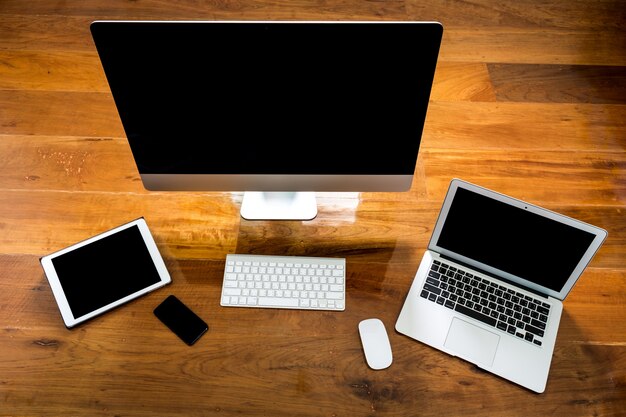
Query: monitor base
(278, 205)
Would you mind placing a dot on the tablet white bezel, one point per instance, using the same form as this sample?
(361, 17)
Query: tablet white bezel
(57, 289)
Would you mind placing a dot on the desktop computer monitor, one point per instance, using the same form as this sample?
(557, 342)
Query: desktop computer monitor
(278, 110)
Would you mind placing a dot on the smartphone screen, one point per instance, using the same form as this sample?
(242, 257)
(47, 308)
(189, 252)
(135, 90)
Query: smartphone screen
(181, 320)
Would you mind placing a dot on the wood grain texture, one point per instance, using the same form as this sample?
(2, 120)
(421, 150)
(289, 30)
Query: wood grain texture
(559, 83)
(528, 99)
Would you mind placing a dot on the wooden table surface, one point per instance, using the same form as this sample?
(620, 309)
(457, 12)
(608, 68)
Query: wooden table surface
(529, 100)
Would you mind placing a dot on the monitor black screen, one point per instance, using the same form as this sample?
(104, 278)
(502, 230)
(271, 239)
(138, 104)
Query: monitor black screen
(271, 106)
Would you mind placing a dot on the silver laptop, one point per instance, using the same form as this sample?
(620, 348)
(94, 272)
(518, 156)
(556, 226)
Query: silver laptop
(490, 286)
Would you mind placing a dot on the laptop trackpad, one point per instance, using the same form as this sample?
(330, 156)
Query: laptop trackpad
(472, 342)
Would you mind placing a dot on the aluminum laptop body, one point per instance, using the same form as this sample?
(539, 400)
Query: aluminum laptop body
(490, 286)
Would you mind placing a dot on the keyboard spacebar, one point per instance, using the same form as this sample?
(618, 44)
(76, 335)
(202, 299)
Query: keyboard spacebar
(278, 302)
(476, 315)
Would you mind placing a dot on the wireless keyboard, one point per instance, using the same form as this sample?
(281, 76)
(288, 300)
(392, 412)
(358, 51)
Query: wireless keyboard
(295, 282)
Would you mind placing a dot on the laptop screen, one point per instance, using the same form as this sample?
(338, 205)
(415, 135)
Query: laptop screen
(521, 240)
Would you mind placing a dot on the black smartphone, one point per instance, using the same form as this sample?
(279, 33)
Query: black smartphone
(181, 320)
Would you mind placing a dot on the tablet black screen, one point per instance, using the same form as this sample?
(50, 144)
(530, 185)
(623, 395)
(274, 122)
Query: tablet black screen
(105, 271)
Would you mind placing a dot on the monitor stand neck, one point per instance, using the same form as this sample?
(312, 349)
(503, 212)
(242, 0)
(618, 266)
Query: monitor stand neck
(278, 205)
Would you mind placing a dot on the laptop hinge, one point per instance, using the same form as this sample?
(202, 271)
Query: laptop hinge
(515, 284)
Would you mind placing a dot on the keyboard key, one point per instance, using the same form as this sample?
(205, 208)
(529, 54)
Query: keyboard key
(432, 289)
(333, 295)
(278, 302)
(538, 324)
(543, 310)
(534, 330)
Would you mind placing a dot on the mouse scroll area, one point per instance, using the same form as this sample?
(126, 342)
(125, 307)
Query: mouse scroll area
(375, 343)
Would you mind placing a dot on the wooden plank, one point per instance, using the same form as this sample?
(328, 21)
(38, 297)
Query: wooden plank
(68, 162)
(542, 176)
(59, 113)
(533, 46)
(193, 10)
(559, 83)
(460, 81)
(598, 293)
(45, 32)
(560, 14)
(553, 32)
(52, 71)
(528, 126)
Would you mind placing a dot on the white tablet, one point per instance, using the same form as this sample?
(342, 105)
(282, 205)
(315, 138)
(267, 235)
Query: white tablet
(105, 271)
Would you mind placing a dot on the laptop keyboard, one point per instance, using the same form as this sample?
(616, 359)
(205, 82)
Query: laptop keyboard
(487, 301)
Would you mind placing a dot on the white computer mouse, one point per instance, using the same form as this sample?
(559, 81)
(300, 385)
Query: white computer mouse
(375, 343)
